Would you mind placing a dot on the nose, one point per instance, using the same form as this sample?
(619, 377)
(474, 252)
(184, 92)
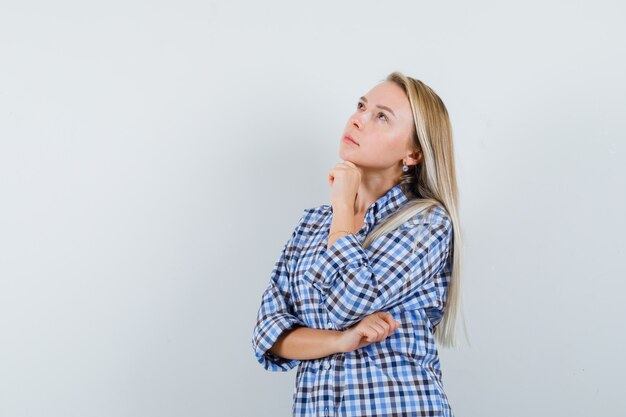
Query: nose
(356, 121)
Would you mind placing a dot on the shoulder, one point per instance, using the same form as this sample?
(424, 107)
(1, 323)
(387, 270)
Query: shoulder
(313, 218)
(433, 216)
(440, 216)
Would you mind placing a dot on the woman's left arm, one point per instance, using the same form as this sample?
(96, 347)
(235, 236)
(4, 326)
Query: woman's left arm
(276, 313)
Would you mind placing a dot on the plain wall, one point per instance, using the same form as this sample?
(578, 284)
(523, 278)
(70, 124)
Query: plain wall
(155, 157)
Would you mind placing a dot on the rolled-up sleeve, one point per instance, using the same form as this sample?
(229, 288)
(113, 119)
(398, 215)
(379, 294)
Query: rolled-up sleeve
(402, 265)
(276, 314)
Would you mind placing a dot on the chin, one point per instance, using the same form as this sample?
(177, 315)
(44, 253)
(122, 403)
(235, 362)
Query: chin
(347, 156)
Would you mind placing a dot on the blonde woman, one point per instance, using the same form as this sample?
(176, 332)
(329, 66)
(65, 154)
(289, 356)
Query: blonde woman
(366, 284)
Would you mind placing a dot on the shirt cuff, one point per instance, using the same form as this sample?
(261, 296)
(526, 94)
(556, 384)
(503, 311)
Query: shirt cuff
(267, 335)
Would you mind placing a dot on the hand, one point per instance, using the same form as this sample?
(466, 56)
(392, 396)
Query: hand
(345, 179)
(373, 328)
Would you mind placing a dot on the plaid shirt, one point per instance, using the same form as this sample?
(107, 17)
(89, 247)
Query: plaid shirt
(405, 272)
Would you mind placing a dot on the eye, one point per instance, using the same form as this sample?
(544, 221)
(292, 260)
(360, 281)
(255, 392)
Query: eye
(359, 104)
(383, 114)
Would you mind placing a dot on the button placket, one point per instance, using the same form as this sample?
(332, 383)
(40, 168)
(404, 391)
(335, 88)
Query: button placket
(326, 365)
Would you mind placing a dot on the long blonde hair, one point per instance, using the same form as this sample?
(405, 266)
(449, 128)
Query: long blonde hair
(430, 183)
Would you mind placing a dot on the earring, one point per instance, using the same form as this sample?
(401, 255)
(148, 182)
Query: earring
(405, 168)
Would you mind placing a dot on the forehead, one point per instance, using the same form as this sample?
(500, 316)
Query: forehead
(391, 95)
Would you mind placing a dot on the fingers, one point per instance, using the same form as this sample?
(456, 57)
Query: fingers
(390, 325)
(377, 326)
(349, 164)
(385, 315)
(343, 166)
(381, 328)
(391, 322)
(372, 332)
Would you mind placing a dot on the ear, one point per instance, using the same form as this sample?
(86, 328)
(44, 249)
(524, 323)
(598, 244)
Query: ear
(414, 158)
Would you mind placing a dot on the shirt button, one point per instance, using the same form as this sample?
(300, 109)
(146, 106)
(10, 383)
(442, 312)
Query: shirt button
(326, 411)
(327, 365)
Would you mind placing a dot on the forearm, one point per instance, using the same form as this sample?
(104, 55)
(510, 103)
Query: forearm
(307, 343)
(343, 219)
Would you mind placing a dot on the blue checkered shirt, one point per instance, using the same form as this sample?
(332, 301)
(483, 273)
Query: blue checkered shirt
(404, 272)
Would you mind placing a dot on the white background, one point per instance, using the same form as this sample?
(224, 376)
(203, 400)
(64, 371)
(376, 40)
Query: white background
(156, 155)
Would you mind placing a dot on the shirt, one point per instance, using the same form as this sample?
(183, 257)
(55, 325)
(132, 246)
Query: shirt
(404, 272)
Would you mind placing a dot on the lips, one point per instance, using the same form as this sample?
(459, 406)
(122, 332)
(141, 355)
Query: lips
(348, 137)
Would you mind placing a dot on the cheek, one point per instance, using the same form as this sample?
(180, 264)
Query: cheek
(391, 149)
(389, 144)
(383, 153)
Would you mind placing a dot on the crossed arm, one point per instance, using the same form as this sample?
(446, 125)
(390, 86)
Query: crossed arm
(352, 287)
(307, 343)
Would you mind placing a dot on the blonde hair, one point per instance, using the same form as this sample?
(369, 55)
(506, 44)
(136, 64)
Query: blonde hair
(430, 183)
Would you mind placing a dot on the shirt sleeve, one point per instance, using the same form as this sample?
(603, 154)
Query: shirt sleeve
(398, 270)
(276, 314)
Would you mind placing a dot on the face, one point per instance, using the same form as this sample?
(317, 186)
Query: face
(382, 126)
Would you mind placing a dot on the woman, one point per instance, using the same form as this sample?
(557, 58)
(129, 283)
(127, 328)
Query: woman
(364, 284)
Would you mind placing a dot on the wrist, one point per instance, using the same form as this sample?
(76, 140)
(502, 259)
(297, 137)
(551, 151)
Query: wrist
(343, 207)
(340, 233)
(343, 218)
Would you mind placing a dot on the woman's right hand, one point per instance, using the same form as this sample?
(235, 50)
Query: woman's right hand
(373, 328)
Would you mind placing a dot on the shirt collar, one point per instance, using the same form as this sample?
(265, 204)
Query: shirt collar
(393, 199)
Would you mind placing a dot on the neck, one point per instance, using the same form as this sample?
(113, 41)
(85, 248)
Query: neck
(370, 190)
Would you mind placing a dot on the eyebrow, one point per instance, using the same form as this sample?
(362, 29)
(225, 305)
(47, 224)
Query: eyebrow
(381, 107)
